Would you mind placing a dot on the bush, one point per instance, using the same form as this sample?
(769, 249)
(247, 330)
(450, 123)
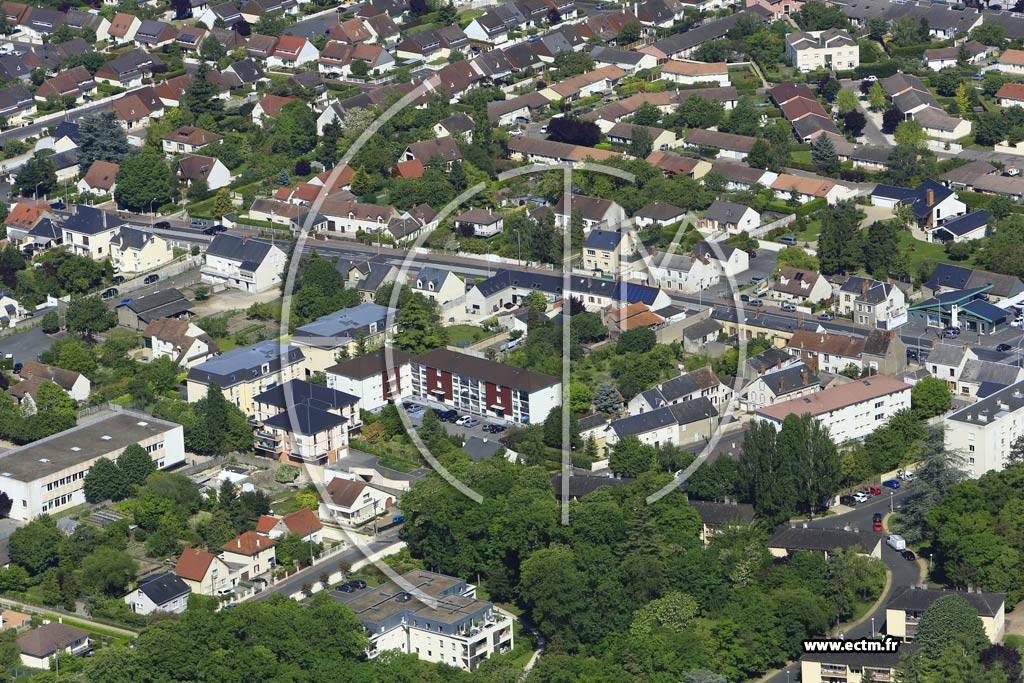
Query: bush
(51, 322)
(286, 474)
(812, 206)
(883, 70)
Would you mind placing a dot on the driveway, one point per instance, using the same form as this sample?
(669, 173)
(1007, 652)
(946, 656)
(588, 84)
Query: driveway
(29, 344)
(873, 134)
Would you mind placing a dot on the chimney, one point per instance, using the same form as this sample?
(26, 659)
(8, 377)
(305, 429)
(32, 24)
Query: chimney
(864, 285)
(782, 382)
(778, 364)
(803, 376)
(931, 197)
(965, 347)
(238, 542)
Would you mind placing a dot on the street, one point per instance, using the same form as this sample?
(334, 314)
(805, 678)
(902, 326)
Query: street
(904, 573)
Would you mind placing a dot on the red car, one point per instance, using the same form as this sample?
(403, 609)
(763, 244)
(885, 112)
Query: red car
(877, 525)
(875, 490)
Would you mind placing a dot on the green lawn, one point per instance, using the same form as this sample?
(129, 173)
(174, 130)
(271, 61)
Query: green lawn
(465, 334)
(921, 251)
(810, 234)
(801, 156)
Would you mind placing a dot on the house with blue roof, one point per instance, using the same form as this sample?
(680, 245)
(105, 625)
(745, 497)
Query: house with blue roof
(967, 309)
(948, 277)
(506, 289)
(323, 340)
(932, 202)
(971, 226)
(605, 252)
(244, 373)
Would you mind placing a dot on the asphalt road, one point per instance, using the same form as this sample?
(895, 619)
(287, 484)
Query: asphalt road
(904, 573)
(29, 344)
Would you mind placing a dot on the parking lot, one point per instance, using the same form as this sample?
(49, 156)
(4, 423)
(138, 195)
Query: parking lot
(478, 430)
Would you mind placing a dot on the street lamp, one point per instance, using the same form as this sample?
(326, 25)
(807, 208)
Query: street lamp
(872, 627)
(519, 242)
(35, 193)
(891, 494)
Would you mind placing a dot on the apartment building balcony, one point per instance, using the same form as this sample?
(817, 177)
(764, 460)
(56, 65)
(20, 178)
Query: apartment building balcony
(268, 441)
(833, 671)
(880, 675)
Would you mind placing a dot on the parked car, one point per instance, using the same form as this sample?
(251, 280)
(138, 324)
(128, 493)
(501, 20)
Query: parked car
(125, 301)
(896, 542)
(756, 303)
(874, 490)
(905, 475)
(788, 240)
(912, 354)
(861, 497)
(197, 223)
(1013, 172)
(162, 225)
(951, 332)
(826, 316)
(415, 410)
(847, 500)
(492, 428)
(150, 279)
(109, 293)
(17, 368)
(1017, 322)
(788, 308)
(358, 583)
(346, 588)
(751, 253)
(756, 280)
(891, 483)
(118, 279)
(214, 229)
(876, 526)
(1003, 347)
(908, 555)
(448, 416)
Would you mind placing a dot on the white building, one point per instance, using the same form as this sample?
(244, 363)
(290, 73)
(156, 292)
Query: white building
(849, 411)
(351, 501)
(692, 73)
(134, 250)
(377, 378)
(984, 431)
(833, 49)
(166, 592)
(484, 387)
(49, 475)
(438, 618)
(251, 264)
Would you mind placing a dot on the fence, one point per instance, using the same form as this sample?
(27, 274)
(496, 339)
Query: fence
(774, 225)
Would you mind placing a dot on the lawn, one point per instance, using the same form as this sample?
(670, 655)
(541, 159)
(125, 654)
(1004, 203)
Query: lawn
(465, 334)
(810, 234)
(921, 251)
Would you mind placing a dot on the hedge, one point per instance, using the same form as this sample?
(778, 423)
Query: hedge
(812, 206)
(883, 70)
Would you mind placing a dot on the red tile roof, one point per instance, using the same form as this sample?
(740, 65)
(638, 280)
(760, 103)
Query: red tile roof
(193, 564)
(249, 543)
(303, 522)
(266, 524)
(101, 175)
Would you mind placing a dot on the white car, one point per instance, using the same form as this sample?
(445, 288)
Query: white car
(1017, 322)
(896, 542)
(861, 497)
(463, 420)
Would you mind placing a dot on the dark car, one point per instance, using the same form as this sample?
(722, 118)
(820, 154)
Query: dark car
(1003, 347)
(59, 205)
(118, 279)
(493, 428)
(150, 279)
(751, 253)
(448, 416)
(847, 500)
(908, 555)
(346, 588)
(214, 229)
(877, 517)
(756, 303)
(162, 225)
(358, 583)
(891, 483)
(109, 293)
(912, 354)
(17, 368)
(951, 332)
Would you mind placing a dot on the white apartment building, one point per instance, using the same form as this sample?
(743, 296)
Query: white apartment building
(849, 411)
(831, 49)
(49, 475)
(438, 618)
(377, 378)
(250, 264)
(484, 387)
(984, 431)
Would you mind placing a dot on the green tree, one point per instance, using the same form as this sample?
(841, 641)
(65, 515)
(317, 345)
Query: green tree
(135, 465)
(767, 473)
(910, 134)
(362, 185)
(930, 397)
(223, 203)
(419, 326)
(295, 129)
(839, 243)
(36, 546)
(212, 50)
(815, 461)
(219, 427)
(630, 457)
(797, 257)
(101, 138)
(144, 181)
(88, 315)
(646, 115)
(882, 248)
(760, 154)
(637, 340)
(642, 143)
(553, 429)
(37, 178)
(201, 97)
(846, 101)
(876, 97)
(824, 156)
(630, 32)
(951, 620)
(51, 322)
(817, 16)
(105, 481)
(606, 398)
(108, 571)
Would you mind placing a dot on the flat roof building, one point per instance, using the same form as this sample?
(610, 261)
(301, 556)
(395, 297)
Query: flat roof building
(984, 431)
(49, 475)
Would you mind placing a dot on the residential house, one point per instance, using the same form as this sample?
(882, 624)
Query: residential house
(714, 516)
(628, 61)
(444, 148)
(75, 384)
(377, 378)
(948, 277)
(608, 251)
(725, 259)
(194, 167)
(983, 430)
(303, 523)
(516, 110)
(827, 352)
(270, 106)
(692, 73)
(905, 608)
(227, 13)
(16, 104)
(155, 34)
(594, 82)
(24, 216)
(673, 164)
(594, 212)
(727, 145)
(183, 342)
(292, 51)
(123, 28)
(875, 303)
(623, 134)
(1011, 62)
(321, 341)
(74, 83)
(686, 387)
(479, 223)
(833, 49)
(680, 424)
(849, 411)
(493, 25)
(245, 372)
(806, 189)
(884, 353)
(437, 284)
(970, 226)
(100, 179)
(729, 217)
(800, 287)
(302, 423)
(134, 250)
(790, 539)
(205, 573)
(778, 386)
(658, 213)
(165, 303)
(165, 592)
(932, 203)
(255, 553)
(251, 264)
(41, 644)
(353, 501)
(535, 150)
(941, 58)
(88, 231)
(188, 140)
